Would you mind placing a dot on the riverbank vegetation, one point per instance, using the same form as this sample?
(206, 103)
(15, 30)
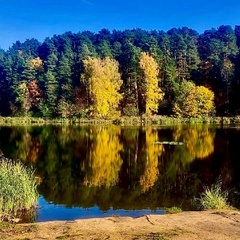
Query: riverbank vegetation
(130, 73)
(213, 198)
(18, 192)
(124, 121)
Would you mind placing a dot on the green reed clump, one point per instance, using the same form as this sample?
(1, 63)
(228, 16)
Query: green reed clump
(212, 198)
(18, 192)
(173, 209)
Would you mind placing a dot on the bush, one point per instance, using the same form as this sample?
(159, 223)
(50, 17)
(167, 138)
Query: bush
(18, 192)
(172, 210)
(212, 198)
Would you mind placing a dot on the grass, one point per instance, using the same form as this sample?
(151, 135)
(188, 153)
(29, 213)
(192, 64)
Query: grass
(124, 120)
(18, 192)
(213, 198)
(172, 210)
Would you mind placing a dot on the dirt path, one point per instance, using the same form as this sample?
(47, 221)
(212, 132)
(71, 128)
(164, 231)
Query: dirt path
(220, 225)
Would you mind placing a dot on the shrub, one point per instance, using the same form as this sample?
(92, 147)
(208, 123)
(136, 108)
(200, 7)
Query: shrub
(18, 192)
(212, 198)
(174, 209)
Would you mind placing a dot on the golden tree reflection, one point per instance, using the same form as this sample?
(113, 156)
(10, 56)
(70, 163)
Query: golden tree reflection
(199, 140)
(104, 161)
(153, 151)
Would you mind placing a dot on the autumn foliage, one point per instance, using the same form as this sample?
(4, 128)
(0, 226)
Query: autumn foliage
(123, 73)
(152, 93)
(103, 82)
(194, 101)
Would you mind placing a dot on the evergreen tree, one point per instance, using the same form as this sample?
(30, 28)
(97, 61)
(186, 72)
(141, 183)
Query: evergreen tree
(49, 105)
(129, 62)
(64, 78)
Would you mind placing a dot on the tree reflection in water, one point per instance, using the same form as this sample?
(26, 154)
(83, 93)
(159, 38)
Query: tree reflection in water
(104, 161)
(122, 167)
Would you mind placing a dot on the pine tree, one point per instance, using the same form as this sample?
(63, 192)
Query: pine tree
(64, 78)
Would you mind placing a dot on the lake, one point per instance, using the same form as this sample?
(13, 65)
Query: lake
(96, 171)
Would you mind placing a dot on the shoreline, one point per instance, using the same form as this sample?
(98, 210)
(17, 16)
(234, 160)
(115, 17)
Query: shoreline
(122, 121)
(214, 224)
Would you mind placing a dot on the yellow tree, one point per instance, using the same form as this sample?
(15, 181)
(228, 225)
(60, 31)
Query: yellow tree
(22, 98)
(103, 82)
(152, 94)
(205, 99)
(185, 103)
(190, 104)
(36, 64)
(194, 101)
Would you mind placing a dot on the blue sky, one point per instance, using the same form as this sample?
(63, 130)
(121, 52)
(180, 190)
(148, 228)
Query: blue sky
(22, 19)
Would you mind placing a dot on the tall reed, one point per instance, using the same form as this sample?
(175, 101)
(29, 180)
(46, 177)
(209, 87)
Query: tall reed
(18, 191)
(212, 198)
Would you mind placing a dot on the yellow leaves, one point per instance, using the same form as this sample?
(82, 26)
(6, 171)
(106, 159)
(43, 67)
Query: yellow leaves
(105, 159)
(191, 104)
(151, 172)
(22, 88)
(36, 63)
(199, 140)
(150, 67)
(21, 92)
(205, 99)
(151, 91)
(103, 83)
(194, 101)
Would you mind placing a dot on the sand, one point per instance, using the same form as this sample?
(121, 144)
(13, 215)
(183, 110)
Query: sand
(186, 225)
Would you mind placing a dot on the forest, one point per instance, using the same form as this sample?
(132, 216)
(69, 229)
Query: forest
(117, 73)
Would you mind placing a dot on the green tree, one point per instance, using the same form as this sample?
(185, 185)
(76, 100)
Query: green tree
(64, 78)
(51, 62)
(129, 66)
(49, 106)
(218, 49)
(104, 49)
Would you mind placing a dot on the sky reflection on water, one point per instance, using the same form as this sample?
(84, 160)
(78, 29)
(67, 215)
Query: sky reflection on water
(52, 212)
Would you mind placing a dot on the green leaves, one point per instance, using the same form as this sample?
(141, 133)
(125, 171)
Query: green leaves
(176, 56)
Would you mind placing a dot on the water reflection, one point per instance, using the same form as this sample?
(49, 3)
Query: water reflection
(121, 167)
(104, 162)
(153, 151)
(197, 139)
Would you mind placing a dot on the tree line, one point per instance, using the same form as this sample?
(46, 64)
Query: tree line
(123, 73)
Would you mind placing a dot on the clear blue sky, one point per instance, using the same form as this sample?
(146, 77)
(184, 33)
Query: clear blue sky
(22, 19)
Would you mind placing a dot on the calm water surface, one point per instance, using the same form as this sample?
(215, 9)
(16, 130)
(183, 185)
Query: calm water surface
(96, 171)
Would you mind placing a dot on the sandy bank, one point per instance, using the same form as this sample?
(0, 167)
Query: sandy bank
(186, 225)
